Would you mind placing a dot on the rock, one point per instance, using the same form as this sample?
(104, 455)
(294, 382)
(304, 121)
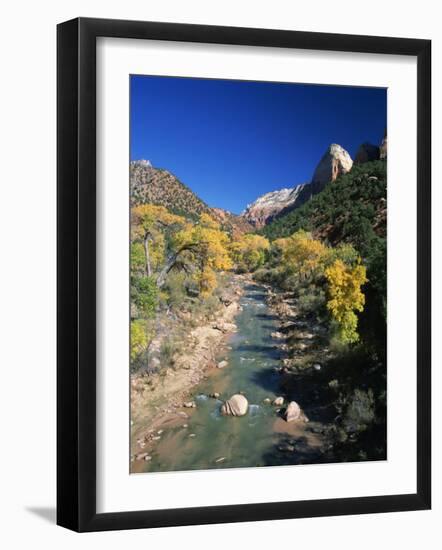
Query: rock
(147, 458)
(367, 153)
(214, 395)
(383, 148)
(141, 456)
(317, 429)
(222, 364)
(317, 366)
(335, 161)
(333, 383)
(189, 405)
(182, 414)
(267, 401)
(269, 205)
(277, 335)
(294, 412)
(283, 310)
(154, 363)
(192, 435)
(286, 448)
(237, 405)
(278, 401)
(159, 432)
(224, 327)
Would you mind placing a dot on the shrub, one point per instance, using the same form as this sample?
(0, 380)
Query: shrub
(168, 349)
(144, 294)
(176, 289)
(311, 300)
(138, 338)
(360, 411)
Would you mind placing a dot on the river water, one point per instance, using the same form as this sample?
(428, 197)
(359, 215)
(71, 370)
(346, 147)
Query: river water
(261, 438)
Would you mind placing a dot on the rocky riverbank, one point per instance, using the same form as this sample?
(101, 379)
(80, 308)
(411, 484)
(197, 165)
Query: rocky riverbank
(303, 340)
(337, 386)
(161, 400)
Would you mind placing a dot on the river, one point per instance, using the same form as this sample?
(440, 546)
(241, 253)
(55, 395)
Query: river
(262, 437)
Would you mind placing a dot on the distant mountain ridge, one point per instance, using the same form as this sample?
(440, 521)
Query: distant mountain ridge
(149, 184)
(160, 187)
(334, 162)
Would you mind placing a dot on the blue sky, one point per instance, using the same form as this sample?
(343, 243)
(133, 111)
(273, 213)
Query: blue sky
(231, 141)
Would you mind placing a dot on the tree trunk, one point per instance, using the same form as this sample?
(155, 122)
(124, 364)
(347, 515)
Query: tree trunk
(146, 250)
(171, 261)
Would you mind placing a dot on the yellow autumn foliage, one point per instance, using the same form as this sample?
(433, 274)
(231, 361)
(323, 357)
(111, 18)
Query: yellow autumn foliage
(302, 252)
(207, 246)
(138, 338)
(346, 297)
(248, 251)
(145, 217)
(149, 221)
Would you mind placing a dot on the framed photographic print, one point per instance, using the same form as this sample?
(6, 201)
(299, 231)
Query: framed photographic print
(243, 274)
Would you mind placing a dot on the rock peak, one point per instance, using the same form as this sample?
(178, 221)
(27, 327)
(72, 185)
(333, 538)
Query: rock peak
(143, 162)
(383, 147)
(267, 206)
(335, 161)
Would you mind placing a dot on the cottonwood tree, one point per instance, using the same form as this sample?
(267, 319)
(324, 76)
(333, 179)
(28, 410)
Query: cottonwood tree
(346, 297)
(149, 224)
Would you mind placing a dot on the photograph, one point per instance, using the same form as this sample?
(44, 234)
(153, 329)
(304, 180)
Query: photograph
(258, 269)
(219, 297)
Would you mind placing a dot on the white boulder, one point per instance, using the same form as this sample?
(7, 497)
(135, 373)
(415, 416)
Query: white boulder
(237, 405)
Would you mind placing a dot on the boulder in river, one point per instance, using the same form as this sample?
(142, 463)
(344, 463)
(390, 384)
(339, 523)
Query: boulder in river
(222, 364)
(294, 412)
(278, 401)
(237, 405)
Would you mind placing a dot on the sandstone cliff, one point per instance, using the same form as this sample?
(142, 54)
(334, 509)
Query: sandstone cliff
(335, 161)
(266, 207)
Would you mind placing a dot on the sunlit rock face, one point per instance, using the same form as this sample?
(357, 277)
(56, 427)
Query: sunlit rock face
(335, 162)
(383, 148)
(266, 207)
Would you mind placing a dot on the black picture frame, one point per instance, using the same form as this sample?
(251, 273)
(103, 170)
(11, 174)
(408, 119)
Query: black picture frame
(77, 287)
